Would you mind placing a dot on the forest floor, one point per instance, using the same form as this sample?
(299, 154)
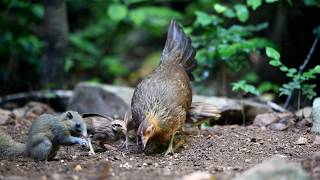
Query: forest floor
(223, 151)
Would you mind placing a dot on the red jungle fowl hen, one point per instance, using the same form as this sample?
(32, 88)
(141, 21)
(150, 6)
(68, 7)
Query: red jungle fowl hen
(161, 101)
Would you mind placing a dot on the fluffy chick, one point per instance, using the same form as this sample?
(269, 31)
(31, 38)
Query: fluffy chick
(104, 129)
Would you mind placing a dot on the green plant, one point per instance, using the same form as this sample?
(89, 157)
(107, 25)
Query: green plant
(223, 43)
(298, 78)
(243, 86)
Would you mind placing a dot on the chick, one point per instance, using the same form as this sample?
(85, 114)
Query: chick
(104, 129)
(160, 101)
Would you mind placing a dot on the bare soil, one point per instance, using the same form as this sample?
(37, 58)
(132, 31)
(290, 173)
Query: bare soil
(223, 151)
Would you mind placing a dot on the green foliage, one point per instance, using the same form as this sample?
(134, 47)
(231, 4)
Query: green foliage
(312, 3)
(117, 12)
(220, 42)
(242, 12)
(298, 79)
(254, 4)
(243, 86)
(100, 44)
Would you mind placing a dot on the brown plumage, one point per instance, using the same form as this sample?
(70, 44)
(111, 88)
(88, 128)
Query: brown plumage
(160, 101)
(104, 129)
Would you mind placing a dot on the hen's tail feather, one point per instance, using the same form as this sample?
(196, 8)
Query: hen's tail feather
(200, 111)
(178, 49)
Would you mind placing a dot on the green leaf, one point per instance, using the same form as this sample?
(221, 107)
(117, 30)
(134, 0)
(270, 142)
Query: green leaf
(275, 63)
(292, 70)
(242, 12)
(254, 4)
(78, 41)
(284, 91)
(153, 16)
(267, 87)
(68, 64)
(205, 19)
(312, 3)
(229, 13)
(117, 12)
(316, 31)
(37, 9)
(308, 90)
(272, 53)
(219, 8)
(242, 85)
(114, 66)
(284, 68)
(316, 69)
(271, 1)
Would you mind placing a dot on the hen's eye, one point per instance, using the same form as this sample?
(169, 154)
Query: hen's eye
(69, 115)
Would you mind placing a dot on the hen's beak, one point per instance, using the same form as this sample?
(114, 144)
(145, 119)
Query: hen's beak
(144, 142)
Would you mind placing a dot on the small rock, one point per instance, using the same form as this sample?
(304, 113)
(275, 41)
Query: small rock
(55, 176)
(278, 126)
(103, 169)
(316, 115)
(32, 110)
(94, 98)
(276, 168)
(199, 176)
(77, 168)
(14, 177)
(312, 165)
(263, 120)
(74, 177)
(316, 140)
(274, 121)
(304, 112)
(301, 141)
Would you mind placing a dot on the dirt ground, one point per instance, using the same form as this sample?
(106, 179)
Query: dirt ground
(223, 151)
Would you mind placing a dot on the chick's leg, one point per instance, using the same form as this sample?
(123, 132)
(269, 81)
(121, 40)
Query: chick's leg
(170, 148)
(199, 130)
(127, 140)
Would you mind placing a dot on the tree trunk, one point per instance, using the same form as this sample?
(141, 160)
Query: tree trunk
(56, 43)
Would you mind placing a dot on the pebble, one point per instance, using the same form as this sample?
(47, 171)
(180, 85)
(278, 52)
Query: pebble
(301, 141)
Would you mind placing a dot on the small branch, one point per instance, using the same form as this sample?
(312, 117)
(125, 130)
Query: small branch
(301, 68)
(36, 95)
(306, 61)
(276, 107)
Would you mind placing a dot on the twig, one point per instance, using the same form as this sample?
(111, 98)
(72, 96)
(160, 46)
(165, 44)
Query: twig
(36, 95)
(306, 61)
(276, 107)
(91, 151)
(301, 68)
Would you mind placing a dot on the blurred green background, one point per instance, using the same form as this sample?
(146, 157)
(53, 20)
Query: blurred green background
(120, 41)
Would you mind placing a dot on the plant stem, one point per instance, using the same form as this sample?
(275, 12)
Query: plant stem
(299, 98)
(306, 61)
(242, 111)
(301, 68)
